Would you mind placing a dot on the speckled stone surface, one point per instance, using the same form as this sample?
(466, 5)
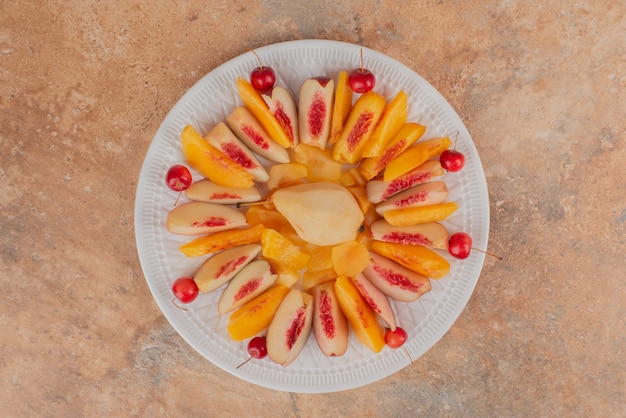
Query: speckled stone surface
(541, 87)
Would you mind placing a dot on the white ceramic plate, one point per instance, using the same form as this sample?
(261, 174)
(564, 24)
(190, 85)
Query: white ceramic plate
(209, 101)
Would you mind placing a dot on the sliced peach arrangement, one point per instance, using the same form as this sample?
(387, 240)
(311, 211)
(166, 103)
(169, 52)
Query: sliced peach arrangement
(343, 216)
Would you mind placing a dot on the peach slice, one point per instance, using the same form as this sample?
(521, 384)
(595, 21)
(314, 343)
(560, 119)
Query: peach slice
(222, 138)
(394, 116)
(313, 278)
(278, 247)
(360, 315)
(415, 156)
(212, 163)
(322, 213)
(429, 234)
(376, 299)
(408, 134)
(250, 282)
(287, 276)
(360, 194)
(256, 105)
(379, 190)
(420, 259)
(270, 217)
(222, 240)
(423, 194)
(315, 104)
(223, 266)
(341, 107)
(320, 258)
(248, 129)
(256, 315)
(359, 126)
(350, 258)
(207, 191)
(282, 175)
(330, 326)
(396, 281)
(319, 163)
(199, 218)
(283, 107)
(420, 214)
(290, 327)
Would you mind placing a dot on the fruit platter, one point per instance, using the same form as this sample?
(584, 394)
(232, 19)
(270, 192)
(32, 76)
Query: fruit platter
(312, 216)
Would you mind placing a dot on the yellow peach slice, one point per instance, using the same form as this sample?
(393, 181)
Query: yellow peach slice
(342, 106)
(419, 259)
(350, 258)
(287, 276)
(277, 247)
(359, 126)
(254, 102)
(212, 163)
(256, 315)
(313, 278)
(222, 240)
(408, 134)
(360, 315)
(319, 163)
(394, 116)
(415, 156)
(320, 258)
(420, 214)
(287, 174)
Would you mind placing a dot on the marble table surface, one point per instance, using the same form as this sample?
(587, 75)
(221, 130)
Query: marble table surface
(541, 87)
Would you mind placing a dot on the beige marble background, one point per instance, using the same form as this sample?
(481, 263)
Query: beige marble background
(541, 87)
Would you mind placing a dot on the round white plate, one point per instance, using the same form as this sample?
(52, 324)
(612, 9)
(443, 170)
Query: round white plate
(208, 102)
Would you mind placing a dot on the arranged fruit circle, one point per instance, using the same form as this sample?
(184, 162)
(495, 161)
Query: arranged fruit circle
(318, 218)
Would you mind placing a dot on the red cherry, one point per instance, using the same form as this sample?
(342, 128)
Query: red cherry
(262, 78)
(396, 338)
(257, 348)
(185, 289)
(460, 245)
(178, 178)
(361, 80)
(452, 160)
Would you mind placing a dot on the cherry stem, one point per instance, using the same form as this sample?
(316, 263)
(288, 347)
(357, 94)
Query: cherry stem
(178, 306)
(178, 198)
(456, 139)
(488, 253)
(407, 354)
(249, 358)
(257, 57)
(362, 63)
(246, 204)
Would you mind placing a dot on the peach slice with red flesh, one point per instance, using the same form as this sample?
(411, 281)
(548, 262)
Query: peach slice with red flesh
(330, 326)
(319, 162)
(429, 234)
(223, 266)
(256, 315)
(250, 282)
(222, 240)
(256, 105)
(395, 280)
(222, 138)
(207, 191)
(213, 163)
(341, 107)
(248, 129)
(290, 327)
(359, 126)
(281, 104)
(424, 194)
(421, 260)
(420, 214)
(376, 299)
(415, 156)
(199, 218)
(408, 134)
(315, 106)
(360, 315)
(379, 190)
(392, 119)
(322, 213)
